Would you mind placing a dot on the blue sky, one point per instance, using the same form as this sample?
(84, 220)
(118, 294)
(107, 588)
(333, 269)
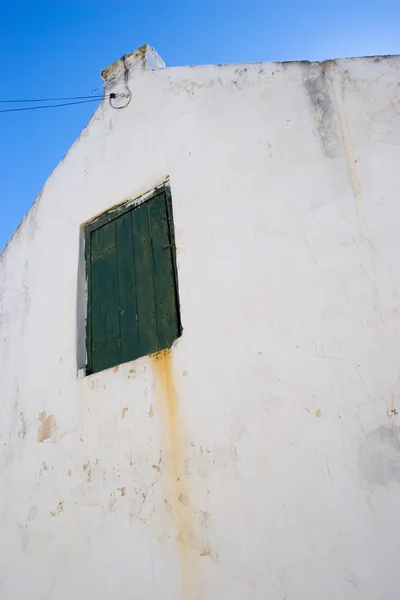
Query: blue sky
(58, 48)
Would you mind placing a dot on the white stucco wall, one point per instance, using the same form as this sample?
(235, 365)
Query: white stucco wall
(260, 457)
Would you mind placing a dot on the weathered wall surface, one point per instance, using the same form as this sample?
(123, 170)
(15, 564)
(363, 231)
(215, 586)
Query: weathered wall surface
(260, 457)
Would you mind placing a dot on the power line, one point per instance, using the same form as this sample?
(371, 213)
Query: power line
(51, 99)
(48, 106)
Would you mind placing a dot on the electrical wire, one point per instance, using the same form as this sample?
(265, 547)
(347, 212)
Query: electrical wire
(7, 110)
(51, 99)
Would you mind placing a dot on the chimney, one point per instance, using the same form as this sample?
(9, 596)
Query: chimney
(119, 73)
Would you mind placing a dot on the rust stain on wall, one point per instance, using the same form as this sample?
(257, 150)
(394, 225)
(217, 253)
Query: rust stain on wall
(87, 467)
(183, 499)
(124, 410)
(207, 552)
(174, 475)
(46, 427)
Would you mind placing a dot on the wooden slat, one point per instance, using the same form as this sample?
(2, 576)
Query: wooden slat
(127, 292)
(143, 259)
(99, 362)
(166, 309)
(105, 311)
(98, 302)
(113, 353)
(110, 284)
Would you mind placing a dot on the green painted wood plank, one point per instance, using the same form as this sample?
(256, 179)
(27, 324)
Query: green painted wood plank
(106, 355)
(110, 285)
(98, 312)
(99, 362)
(146, 310)
(96, 244)
(107, 240)
(113, 353)
(88, 244)
(166, 309)
(105, 311)
(127, 292)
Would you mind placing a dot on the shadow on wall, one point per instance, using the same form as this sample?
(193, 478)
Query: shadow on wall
(81, 306)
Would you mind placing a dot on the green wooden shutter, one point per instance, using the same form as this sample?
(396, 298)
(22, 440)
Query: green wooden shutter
(133, 307)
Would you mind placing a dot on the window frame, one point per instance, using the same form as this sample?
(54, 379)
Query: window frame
(105, 218)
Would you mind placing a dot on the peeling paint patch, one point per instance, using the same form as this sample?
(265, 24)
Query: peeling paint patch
(183, 499)
(392, 412)
(122, 490)
(46, 427)
(58, 510)
(124, 410)
(151, 411)
(116, 369)
(88, 468)
(207, 552)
